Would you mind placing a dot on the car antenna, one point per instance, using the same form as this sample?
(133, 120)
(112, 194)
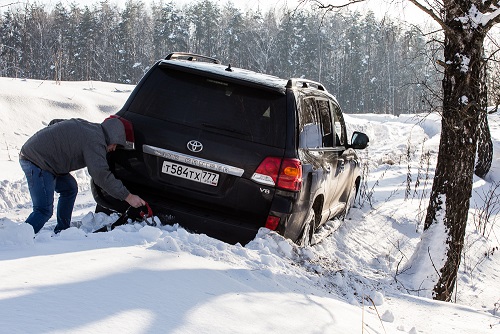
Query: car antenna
(229, 69)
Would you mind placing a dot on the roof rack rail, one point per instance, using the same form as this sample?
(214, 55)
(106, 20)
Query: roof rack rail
(192, 57)
(304, 83)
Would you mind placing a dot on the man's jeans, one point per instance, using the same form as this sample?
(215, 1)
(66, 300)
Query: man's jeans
(42, 185)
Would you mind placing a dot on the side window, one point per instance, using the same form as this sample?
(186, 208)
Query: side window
(326, 123)
(338, 125)
(310, 126)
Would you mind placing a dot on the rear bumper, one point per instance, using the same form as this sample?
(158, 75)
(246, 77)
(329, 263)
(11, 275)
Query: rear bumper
(225, 228)
(220, 227)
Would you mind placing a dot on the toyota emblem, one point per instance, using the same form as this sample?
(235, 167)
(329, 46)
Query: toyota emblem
(194, 146)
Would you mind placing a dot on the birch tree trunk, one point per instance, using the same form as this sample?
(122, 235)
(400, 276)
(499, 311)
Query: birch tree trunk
(484, 142)
(462, 99)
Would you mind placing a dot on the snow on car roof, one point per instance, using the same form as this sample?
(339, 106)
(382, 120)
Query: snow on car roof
(260, 79)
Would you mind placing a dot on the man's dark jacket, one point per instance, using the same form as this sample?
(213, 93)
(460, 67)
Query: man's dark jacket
(72, 144)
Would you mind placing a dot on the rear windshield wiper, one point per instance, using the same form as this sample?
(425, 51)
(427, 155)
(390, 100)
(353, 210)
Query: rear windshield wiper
(226, 129)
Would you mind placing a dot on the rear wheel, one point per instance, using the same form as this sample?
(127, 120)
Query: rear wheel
(309, 227)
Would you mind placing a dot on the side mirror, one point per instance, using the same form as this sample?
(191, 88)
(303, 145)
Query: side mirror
(359, 140)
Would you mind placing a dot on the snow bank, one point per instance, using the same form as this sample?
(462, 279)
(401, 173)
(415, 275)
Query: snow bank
(29, 105)
(12, 233)
(149, 278)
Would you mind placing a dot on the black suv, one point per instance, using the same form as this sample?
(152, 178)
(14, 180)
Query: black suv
(225, 151)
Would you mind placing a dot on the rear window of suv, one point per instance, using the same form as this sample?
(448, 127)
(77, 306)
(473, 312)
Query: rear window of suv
(213, 105)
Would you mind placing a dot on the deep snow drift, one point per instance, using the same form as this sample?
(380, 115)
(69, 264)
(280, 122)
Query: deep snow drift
(163, 279)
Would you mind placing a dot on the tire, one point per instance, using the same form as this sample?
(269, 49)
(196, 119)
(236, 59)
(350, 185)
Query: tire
(308, 231)
(350, 202)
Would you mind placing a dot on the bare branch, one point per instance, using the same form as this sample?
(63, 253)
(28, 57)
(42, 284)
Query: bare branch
(491, 57)
(431, 13)
(492, 10)
(433, 265)
(322, 5)
(10, 4)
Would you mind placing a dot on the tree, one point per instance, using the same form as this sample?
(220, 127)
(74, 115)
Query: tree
(133, 41)
(231, 46)
(60, 17)
(106, 42)
(259, 42)
(86, 45)
(494, 79)
(170, 32)
(465, 24)
(485, 144)
(291, 36)
(205, 17)
(10, 44)
(36, 57)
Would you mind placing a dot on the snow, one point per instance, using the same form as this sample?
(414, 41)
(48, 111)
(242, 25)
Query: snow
(148, 278)
(477, 18)
(465, 61)
(430, 253)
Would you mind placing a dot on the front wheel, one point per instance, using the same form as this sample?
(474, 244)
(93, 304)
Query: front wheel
(350, 201)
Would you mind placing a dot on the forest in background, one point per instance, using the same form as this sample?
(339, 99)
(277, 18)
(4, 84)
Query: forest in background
(371, 65)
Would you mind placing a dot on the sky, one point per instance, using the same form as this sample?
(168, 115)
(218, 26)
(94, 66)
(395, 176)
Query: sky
(163, 279)
(402, 10)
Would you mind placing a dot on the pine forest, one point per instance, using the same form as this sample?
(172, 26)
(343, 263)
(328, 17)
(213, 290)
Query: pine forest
(371, 65)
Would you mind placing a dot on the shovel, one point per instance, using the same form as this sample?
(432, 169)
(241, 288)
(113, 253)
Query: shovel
(125, 216)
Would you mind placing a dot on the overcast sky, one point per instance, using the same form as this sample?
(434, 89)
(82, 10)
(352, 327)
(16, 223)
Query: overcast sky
(403, 9)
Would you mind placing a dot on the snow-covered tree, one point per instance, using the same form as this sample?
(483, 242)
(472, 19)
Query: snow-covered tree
(205, 19)
(10, 44)
(170, 30)
(259, 41)
(465, 24)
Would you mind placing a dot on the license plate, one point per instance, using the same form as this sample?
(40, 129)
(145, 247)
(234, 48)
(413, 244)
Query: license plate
(190, 173)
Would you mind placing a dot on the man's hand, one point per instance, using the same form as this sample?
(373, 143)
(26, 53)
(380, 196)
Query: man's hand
(135, 200)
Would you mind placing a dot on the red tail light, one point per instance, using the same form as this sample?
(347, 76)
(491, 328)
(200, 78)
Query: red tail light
(129, 132)
(267, 172)
(290, 175)
(282, 173)
(272, 222)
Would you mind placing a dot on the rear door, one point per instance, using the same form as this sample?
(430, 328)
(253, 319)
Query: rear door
(316, 139)
(330, 153)
(200, 139)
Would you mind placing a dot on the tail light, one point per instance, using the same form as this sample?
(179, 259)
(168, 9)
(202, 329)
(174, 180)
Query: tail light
(129, 132)
(272, 222)
(282, 173)
(290, 177)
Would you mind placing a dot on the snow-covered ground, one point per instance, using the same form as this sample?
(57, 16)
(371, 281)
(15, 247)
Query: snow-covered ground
(145, 279)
